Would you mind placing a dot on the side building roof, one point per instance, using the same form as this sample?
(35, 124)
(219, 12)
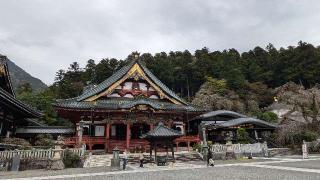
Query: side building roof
(240, 121)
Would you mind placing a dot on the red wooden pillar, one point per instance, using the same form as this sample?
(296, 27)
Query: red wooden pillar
(128, 136)
(107, 134)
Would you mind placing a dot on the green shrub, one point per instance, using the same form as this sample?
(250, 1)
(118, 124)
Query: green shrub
(70, 159)
(197, 147)
(243, 136)
(21, 143)
(44, 140)
(268, 116)
(304, 135)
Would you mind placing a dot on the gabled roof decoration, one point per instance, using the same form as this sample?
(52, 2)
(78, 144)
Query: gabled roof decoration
(123, 72)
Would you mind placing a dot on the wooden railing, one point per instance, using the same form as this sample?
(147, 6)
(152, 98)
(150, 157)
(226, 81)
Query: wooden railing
(38, 153)
(85, 139)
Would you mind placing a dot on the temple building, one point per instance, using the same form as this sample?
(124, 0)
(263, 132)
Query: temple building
(222, 125)
(13, 113)
(125, 106)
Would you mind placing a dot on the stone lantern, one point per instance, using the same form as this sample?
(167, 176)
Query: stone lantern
(115, 161)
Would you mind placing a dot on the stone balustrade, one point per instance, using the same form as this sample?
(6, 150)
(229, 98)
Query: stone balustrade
(38, 153)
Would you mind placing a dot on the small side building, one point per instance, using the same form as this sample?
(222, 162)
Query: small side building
(222, 125)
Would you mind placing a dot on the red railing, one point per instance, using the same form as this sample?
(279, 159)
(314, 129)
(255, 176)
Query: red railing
(135, 144)
(85, 139)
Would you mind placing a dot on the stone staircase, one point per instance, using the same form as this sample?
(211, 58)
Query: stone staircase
(98, 160)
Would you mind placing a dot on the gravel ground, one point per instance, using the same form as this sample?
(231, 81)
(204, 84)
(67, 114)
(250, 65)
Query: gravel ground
(42, 172)
(239, 172)
(304, 164)
(216, 173)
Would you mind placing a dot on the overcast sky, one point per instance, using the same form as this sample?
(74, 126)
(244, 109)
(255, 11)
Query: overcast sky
(42, 36)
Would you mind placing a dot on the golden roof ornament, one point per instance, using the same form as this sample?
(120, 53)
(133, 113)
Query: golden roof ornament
(136, 55)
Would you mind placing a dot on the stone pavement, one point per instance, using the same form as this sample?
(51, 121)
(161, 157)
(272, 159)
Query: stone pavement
(289, 167)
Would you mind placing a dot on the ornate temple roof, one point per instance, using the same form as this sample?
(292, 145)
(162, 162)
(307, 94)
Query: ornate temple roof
(5, 81)
(91, 98)
(7, 97)
(161, 131)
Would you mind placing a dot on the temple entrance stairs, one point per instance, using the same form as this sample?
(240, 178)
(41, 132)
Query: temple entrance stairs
(98, 160)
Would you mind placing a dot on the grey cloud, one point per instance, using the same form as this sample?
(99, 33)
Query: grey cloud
(43, 36)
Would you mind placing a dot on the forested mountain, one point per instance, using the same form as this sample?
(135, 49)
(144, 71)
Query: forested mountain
(244, 82)
(20, 77)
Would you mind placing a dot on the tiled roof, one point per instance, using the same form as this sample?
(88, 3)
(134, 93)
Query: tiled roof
(9, 101)
(119, 74)
(240, 121)
(124, 103)
(211, 114)
(45, 130)
(108, 82)
(161, 131)
(5, 81)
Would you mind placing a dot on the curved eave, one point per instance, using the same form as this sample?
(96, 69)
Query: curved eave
(211, 114)
(27, 111)
(241, 121)
(162, 131)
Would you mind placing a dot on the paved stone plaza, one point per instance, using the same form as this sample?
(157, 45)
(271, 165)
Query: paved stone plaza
(290, 167)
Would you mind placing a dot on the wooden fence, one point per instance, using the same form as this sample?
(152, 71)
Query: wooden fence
(38, 153)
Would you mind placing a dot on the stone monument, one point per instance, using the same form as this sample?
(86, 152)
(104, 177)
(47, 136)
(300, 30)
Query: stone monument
(15, 162)
(230, 154)
(56, 162)
(115, 161)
